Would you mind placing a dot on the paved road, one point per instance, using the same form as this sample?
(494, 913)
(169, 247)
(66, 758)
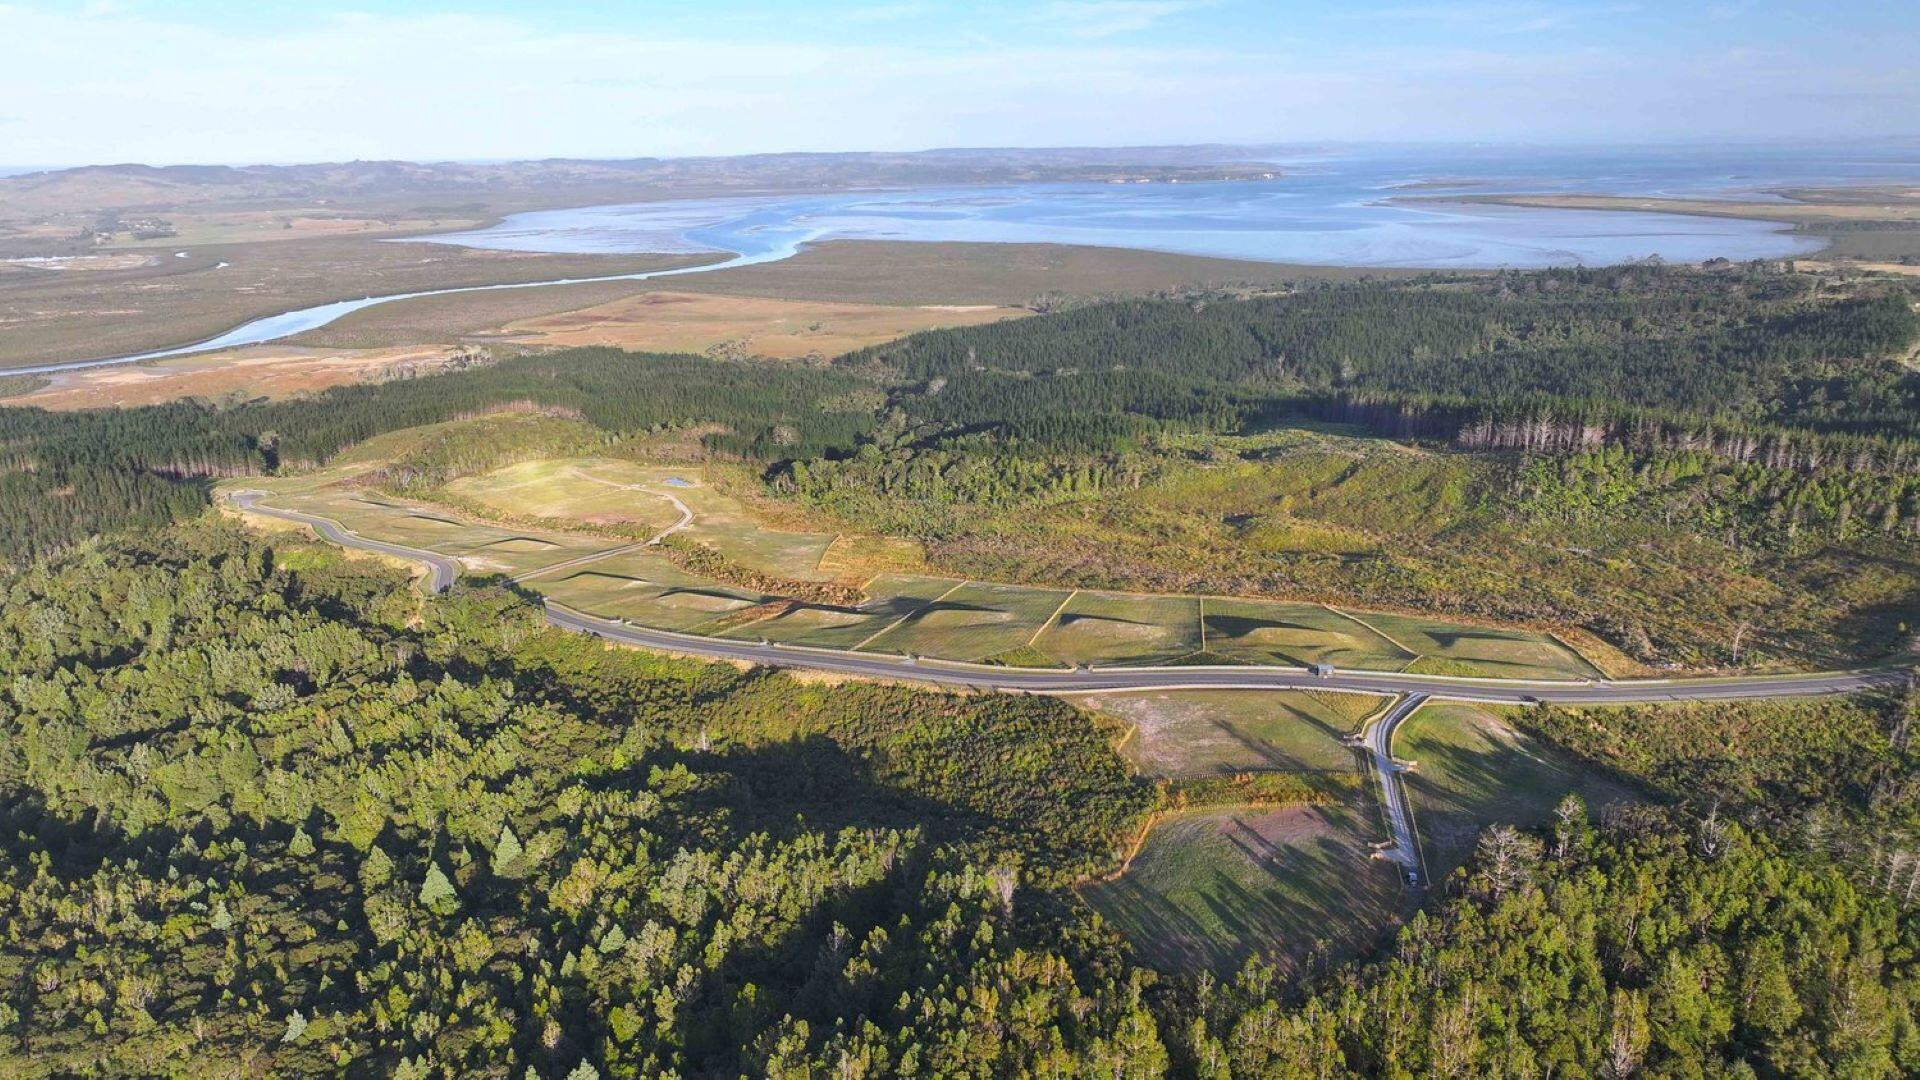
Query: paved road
(442, 569)
(1095, 680)
(1405, 850)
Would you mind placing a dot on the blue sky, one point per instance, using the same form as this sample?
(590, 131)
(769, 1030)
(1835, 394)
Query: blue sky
(268, 80)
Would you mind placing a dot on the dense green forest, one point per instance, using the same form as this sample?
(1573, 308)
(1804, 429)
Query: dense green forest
(270, 811)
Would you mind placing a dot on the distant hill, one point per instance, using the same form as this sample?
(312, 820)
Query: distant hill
(131, 187)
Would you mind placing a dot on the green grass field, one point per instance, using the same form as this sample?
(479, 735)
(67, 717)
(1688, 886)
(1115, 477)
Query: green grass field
(1110, 628)
(1192, 733)
(1475, 770)
(1270, 631)
(1453, 649)
(972, 622)
(607, 491)
(892, 598)
(1211, 888)
(482, 549)
(566, 490)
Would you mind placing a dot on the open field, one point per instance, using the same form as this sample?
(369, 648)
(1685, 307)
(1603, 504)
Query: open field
(973, 622)
(1198, 733)
(51, 317)
(482, 549)
(1273, 631)
(567, 489)
(1452, 649)
(1211, 888)
(746, 326)
(898, 276)
(1107, 628)
(646, 589)
(891, 598)
(271, 371)
(1474, 770)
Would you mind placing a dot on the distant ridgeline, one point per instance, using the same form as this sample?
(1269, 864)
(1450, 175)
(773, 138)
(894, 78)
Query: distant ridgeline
(1752, 365)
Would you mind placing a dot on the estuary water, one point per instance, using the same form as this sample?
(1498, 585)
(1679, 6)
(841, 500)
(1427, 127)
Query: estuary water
(1364, 207)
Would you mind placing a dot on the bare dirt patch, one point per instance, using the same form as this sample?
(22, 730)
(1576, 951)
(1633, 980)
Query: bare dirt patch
(272, 371)
(781, 329)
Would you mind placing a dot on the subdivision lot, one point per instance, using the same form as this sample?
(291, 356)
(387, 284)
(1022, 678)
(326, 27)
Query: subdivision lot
(973, 622)
(1197, 733)
(720, 521)
(1211, 888)
(570, 490)
(1108, 628)
(1496, 652)
(646, 589)
(1474, 769)
(1269, 631)
(904, 613)
(892, 597)
(481, 548)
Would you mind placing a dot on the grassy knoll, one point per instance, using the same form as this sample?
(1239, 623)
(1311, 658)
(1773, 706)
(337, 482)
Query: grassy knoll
(893, 597)
(1474, 769)
(1270, 631)
(1106, 628)
(483, 549)
(566, 489)
(1199, 733)
(973, 622)
(1479, 650)
(1210, 888)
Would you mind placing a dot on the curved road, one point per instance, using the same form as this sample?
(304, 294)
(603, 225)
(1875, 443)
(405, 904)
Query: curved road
(442, 570)
(1378, 739)
(1096, 680)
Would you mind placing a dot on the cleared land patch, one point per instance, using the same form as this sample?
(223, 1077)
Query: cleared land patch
(565, 490)
(893, 597)
(1107, 628)
(781, 329)
(973, 622)
(937, 617)
(1198, 733)
(1496, 652)
(271, 371)
(482, 548)
(1211, 888)
(1273, 631)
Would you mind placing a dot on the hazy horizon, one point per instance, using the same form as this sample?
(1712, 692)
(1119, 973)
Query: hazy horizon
(1257, 150)
(219, 82)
